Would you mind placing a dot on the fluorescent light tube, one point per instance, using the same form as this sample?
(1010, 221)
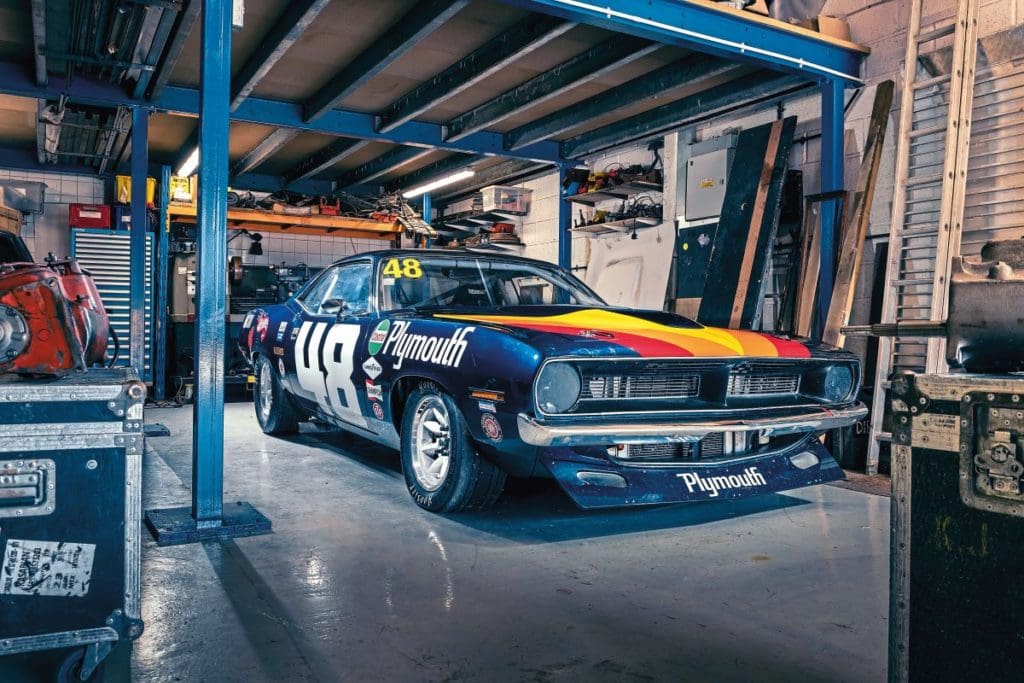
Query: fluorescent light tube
(435, 184)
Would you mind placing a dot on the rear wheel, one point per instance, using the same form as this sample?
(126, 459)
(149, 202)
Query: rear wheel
(442, 469)
(274, 408)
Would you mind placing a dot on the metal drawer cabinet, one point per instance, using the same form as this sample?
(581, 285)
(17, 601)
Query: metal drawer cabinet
(70, 511)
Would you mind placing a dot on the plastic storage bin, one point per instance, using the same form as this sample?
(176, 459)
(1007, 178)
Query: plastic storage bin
(511, 200)
(123, 190)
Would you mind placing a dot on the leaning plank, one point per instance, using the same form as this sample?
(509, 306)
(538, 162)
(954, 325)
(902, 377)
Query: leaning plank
(737, 271)
(858, 218)
(810, 265)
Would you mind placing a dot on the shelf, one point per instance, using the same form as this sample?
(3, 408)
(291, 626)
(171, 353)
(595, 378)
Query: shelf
(618, 192)
(471, 221)
(267, 221)
(624, 225)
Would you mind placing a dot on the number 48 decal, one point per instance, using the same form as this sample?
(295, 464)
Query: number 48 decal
(323, 367)
(407, 267)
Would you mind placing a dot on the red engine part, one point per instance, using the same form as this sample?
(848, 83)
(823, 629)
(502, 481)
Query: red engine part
(52, 320)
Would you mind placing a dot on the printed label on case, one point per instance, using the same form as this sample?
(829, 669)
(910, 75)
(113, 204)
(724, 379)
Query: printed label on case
(46, 568)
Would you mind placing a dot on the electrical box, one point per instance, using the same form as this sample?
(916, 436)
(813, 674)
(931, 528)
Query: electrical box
(183, 288)
(707, 171)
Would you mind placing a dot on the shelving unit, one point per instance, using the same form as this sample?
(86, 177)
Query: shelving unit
(618, 192)
(266, 221)
(624, 225)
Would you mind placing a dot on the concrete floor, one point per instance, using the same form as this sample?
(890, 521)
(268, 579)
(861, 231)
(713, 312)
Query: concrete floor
(358, 584)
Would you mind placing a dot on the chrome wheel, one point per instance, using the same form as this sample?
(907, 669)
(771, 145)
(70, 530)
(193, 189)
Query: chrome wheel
(266, 390)
(431, 445)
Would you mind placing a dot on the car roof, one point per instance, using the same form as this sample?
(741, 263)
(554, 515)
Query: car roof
(447, 253)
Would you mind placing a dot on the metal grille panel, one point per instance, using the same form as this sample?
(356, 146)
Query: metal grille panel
(762, 384)
(645, 385)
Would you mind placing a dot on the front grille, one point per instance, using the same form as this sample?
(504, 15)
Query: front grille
(762, 384)
(644, 385)
(711, 446)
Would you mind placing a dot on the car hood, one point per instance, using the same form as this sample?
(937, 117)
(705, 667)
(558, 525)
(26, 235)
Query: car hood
(575, 330)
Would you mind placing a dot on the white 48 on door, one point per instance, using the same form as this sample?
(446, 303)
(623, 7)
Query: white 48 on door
(324, 354)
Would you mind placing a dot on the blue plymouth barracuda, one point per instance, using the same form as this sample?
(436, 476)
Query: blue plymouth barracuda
(479, 367)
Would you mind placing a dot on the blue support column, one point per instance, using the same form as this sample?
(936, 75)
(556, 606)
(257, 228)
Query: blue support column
(137, 277)
(832, 103)
(427, 210)
(208, 517)
(160, 291)
(564, 223)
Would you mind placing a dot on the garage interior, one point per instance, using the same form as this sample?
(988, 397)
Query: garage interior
(848, 172)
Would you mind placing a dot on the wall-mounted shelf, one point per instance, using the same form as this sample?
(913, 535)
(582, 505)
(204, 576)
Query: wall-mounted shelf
(624, 225)
(617, 192)
(475, 221)
(267, 221)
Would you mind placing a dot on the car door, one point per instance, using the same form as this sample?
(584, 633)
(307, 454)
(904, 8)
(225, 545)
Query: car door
(335, 317)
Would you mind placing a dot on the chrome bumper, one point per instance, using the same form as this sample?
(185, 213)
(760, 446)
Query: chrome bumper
(539, 434)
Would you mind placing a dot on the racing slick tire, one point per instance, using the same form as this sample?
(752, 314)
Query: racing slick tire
(274, 408)
(442, 469)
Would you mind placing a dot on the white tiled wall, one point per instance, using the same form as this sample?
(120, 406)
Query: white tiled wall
(312, 250)
(48, 232)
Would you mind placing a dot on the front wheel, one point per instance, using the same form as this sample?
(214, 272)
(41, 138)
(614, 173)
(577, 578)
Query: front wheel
(274, 408)
(442, 469)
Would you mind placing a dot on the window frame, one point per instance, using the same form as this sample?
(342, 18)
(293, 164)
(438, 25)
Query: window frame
(332, 272)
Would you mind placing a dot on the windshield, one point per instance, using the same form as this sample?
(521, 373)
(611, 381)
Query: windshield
(425, 281)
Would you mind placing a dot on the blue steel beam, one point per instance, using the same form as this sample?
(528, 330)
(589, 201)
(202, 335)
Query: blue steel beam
(564, 222)
(160, 290)
(211, 271)
(27, 159)
(709, 28)
(382, 165)
(39, 40)
(455, 162)
(157, 24)
(14, 80)
(182, 27)
(494, 55)
(422, 20)
(287, 29)
(323, 159)
(832, 133)
(577, 70)
(267, 148)
(137, 240)
(689, 69)
(744, 92)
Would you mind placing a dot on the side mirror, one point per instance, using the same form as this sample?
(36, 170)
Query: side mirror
(332, 306)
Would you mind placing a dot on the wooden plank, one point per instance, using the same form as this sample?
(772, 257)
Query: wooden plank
(266, 221)
(740, 257)
(810, 265)
(756, 224)
(858, 218)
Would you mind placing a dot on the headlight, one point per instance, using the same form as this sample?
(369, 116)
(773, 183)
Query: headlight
(838, 383)
(558, 388)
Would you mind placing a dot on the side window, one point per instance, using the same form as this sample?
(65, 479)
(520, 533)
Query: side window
(312, 297)
(351, 285)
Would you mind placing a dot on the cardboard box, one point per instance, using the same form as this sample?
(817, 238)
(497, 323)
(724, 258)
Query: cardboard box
(833, 27)
(758, 7)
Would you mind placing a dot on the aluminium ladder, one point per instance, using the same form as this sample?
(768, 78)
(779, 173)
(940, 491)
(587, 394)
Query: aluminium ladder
(928, 199)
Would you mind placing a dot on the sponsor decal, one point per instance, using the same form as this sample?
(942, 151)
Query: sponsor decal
(372, 368)
(278, 350)
(295, 333)
(374, 391)
(712, 485)
(248, 320)
(262, 323)
(281, 329)
(445, 351)
(377, 337)
(388, 281)
(596, 334)
(280, 366)
(487, 407)
(378, 411)
(491, 427)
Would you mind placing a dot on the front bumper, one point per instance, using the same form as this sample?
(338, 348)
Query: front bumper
(603, 434)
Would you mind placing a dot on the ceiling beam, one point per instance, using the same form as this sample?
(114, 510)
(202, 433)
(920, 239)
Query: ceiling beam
(179, 34)
(382, 165)
(424, 18)
(323, 159)
(711, 28)
(157, 24)
(267, 148)
(752, 89)
(494, 55)
(689, 69)
(455, 162)
(39, 39)
(287, 29)
(587, 66)
(508, 171)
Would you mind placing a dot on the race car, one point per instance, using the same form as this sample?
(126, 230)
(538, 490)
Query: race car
(479, 367)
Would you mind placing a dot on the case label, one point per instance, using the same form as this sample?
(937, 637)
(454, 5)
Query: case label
(46, 568)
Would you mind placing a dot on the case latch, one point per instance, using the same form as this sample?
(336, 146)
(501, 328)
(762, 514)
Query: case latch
(992, 453)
